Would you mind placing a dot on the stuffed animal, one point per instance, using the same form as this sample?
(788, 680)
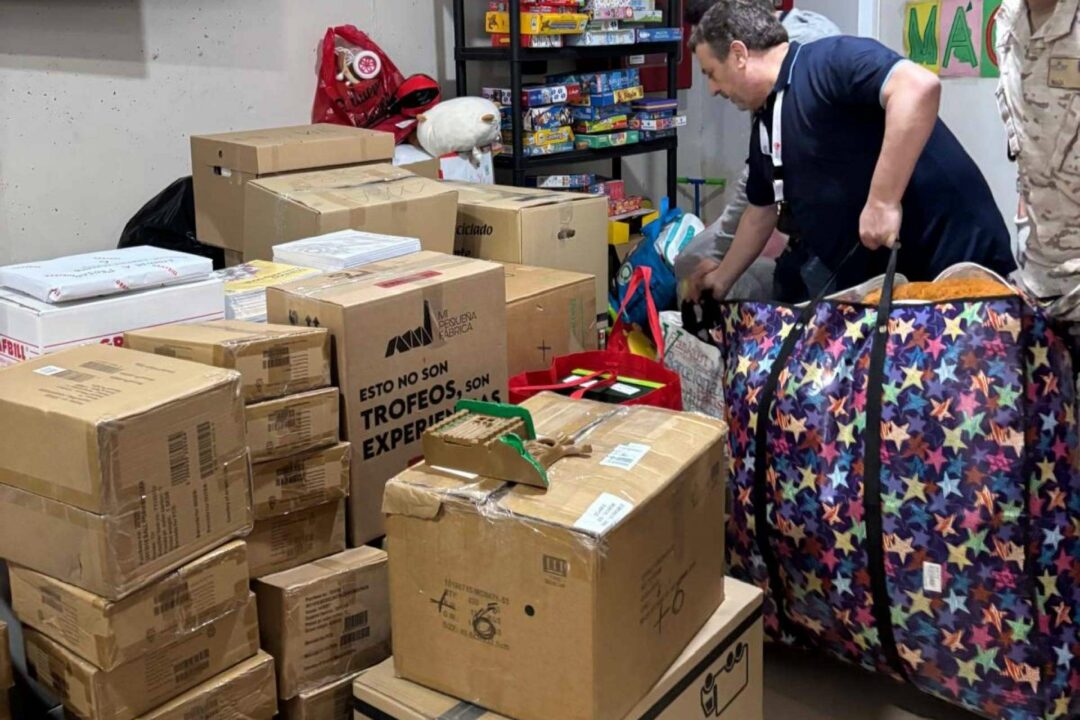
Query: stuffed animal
(462, 125)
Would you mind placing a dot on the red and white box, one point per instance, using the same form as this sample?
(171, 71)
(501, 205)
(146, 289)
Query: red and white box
(30, 328)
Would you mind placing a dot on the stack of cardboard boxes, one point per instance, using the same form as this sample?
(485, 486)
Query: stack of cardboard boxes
(300, 470)
(121, 476)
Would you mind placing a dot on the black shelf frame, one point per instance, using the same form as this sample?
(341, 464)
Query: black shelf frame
(516, 55)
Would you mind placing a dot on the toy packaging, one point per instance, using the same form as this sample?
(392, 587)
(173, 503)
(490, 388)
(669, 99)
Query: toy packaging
(529, 41)
(624, 206)
(536, 8)
(613, 189)
(660, 34)
(541, 150)
(539, 23)
(655, 105)
(601, 82)
(611, 98)
(535, 96)
(554, 136)
(650, 135)
(654, 124)
(602, 39)
(660, 115)
(602, 26)
(616, 122)
(621, 12)
(540, 118)
(648, 16)
(609, 140)
(599, 113)
(632, 4)
(562, 182)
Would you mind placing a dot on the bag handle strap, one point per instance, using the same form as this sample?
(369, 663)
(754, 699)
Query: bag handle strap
(594, 381)
(642, 277)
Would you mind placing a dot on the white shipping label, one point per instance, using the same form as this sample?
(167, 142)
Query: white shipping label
(604, 513)
(49, 370)
(626, 456)
(931, 573)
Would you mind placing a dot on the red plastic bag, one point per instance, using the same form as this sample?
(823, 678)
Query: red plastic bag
(607, 366)
(356, 80)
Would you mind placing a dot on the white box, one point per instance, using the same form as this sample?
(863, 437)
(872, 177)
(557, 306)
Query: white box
(30, 327)
(344, 249)
(110, 272)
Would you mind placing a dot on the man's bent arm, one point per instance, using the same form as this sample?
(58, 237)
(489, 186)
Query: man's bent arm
(755, 229)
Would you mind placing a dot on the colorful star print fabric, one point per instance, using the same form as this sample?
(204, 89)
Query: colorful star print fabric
(980, 496)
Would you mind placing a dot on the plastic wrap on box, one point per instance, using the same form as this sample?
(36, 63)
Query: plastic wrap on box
(618, 97)
(610, 140)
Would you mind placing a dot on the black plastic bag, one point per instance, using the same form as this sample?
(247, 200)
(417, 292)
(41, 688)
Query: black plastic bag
(168, 221)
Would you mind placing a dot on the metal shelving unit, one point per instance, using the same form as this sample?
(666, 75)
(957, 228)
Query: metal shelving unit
(515, 55)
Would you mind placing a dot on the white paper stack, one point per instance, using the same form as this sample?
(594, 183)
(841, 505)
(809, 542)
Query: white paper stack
(245, 286)
(344, 249)
(110, 272)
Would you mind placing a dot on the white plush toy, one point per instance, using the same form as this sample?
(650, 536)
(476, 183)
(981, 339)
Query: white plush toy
(462, 125)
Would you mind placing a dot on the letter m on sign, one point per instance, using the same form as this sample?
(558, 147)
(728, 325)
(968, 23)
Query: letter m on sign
(921, 37)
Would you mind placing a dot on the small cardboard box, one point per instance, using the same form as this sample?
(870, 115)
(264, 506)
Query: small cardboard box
(30, 328)
(221, 166)
(139, 686)
(413, 335)
(285, 541)
(333, 701)
(718, 676)
(273, 360)
(593, 587)
(377, 198)
(301, 481)
(7, 677)
(549, 313)
(542, 228)
(243, 692)
(327, 619)
(292, 424)
(131, 464)
(109, 634)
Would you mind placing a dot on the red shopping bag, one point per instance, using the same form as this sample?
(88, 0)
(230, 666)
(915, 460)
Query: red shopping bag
(613, 375)
(356, 80)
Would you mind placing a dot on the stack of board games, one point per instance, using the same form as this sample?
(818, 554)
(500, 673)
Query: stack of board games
(656, 118)
(546, 117)
(544, 23)
(617, 22)
(580, 23)
(601, 113)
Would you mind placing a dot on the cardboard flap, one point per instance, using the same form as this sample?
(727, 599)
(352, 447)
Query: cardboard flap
(354, 187)
(511, 198)
(523, 281)
(401, 498)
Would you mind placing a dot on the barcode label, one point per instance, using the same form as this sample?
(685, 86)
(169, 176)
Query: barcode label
(354, 621)
(63, 374)
(102, 367)
(291, 474)
(197, 663)
(350, 638)
(931, 573)
(171, 599)
(178, 458)
(626, 456)
(287, 420)
(206, 449)
(277, 358)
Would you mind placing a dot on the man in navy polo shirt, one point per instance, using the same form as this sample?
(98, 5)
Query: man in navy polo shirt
(847, 141)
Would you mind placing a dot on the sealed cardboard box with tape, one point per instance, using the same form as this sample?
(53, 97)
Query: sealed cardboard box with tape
(131, 464)
(143, 684)
(718, 676)
(326, 619)
(377, 198)
(223, 164)
(273, 360)
(302, 481)
(109, 634)
(413, 335)
(243, 692)
(593, 586)
(292, 424)
(333, 701)
(549, 313)
(285, 541)
(542, 228)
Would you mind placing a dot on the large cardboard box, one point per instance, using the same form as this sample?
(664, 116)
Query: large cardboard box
(593, 587)
(549, 313)
(333, 701)
(223, 164)
(377, 198)
(243, 692)
(327, 619)
(30, 328)
(109, 634)
(301, 481)
(413, 335)
(293, 424)
(527, 226)
(718, 676)
(273, 360)
(131, 464)
(141, 685)
(285, 541)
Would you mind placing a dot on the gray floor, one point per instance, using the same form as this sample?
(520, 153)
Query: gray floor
(800, 686)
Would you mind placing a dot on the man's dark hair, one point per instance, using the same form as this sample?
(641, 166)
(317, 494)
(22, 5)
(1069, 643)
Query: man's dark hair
(751, 22)
(696, 9)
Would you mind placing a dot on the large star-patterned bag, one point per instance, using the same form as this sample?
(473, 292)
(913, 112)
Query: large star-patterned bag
(911, 500)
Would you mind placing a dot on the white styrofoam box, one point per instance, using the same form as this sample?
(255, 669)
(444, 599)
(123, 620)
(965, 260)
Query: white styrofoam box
(30, 327)
(110, 272)
(344, 249)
